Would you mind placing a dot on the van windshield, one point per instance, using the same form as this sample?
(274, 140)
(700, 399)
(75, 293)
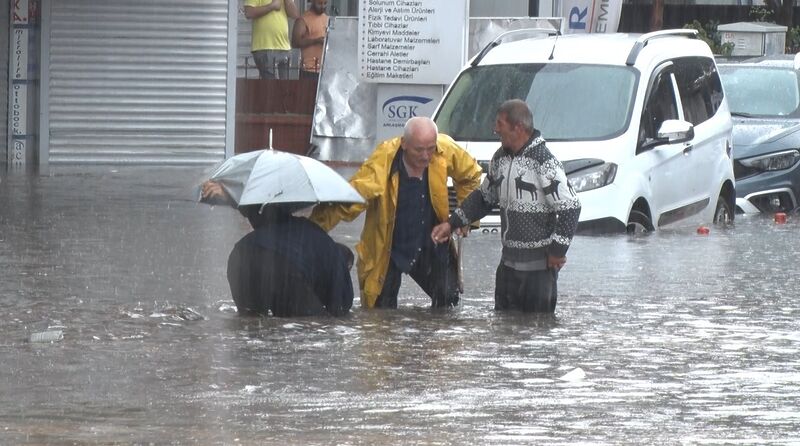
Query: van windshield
(569, 101)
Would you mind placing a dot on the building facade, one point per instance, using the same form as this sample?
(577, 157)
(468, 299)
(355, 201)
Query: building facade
(144, 82)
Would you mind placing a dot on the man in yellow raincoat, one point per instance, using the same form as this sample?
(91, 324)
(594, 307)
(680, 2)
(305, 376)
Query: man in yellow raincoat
(404, 184)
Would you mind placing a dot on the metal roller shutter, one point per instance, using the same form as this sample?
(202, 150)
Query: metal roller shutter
(137, 82)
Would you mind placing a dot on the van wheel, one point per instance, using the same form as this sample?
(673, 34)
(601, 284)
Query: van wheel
(723, 215)
(638, 223)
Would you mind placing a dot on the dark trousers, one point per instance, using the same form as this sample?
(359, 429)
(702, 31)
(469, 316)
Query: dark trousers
(435, 274)
(529, 291)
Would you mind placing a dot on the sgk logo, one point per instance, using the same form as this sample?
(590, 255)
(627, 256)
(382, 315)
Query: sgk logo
(403, 107)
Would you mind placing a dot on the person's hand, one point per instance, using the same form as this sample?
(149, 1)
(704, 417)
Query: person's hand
(441, 233)
(555, 263)
(274, 6)
(211, 190)
(463, 231)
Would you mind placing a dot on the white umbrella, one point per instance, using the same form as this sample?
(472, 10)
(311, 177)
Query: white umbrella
(271, 177)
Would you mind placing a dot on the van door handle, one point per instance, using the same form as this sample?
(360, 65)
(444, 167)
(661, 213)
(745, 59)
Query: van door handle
(687, 149)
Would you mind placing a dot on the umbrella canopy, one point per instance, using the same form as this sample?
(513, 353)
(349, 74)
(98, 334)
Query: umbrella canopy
(274, 177)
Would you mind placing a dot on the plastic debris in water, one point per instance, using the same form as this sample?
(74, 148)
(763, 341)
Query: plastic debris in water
(576, 374)
(47, 336)
(188, 314)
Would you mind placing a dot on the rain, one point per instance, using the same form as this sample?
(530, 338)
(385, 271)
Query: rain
(119, 328)
(117, 321)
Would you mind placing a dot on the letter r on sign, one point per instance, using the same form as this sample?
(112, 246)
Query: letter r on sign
(576, 18)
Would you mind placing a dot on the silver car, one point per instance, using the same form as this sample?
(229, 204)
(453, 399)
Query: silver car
(764, 99)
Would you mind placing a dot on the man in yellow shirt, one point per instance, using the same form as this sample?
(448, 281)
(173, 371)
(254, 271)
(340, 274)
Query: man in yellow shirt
(270, 41)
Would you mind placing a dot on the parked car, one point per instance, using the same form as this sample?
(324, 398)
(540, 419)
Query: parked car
(640, 122)
(764, 98)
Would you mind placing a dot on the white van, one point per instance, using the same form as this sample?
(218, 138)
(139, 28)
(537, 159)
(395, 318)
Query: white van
(640, 122)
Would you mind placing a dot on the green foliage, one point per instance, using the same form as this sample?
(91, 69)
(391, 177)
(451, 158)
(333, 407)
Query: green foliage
(761, 14)
(793, 40)
(708, 33)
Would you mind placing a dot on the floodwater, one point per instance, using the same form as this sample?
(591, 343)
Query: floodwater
(672, 338)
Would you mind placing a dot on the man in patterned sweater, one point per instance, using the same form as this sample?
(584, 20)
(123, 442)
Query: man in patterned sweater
(539, 213)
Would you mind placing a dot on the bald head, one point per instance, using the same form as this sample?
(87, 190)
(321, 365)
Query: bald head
(419, 143)
(420, 127)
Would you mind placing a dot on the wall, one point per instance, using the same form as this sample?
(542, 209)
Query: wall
(494, 8)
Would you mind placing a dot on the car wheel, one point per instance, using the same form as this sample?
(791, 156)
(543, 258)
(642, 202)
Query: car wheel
(638, 223)
(723, 215)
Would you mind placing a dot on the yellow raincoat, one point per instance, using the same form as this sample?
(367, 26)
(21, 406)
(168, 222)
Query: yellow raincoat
(376, 182)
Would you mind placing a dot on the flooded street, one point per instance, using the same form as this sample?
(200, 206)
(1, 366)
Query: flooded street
(683, 339)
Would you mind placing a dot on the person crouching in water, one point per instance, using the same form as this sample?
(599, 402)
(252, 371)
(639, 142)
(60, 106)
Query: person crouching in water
(287, 266)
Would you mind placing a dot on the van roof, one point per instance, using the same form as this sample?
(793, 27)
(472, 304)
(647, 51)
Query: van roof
(606, 49)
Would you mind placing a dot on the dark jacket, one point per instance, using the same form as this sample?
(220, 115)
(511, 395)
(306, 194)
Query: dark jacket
(291, 267)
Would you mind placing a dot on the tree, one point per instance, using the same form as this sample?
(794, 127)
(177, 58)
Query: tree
(657, 15)
(782, 10)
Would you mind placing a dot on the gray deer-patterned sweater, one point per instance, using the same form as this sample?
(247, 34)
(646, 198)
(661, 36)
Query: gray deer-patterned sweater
(539, 210)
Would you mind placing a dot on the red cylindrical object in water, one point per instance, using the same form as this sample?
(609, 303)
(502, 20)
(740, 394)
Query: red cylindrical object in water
(703, 230)
(780, 218)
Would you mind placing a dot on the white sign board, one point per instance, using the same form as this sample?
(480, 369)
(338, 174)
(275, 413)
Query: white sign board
(397, 103)
(17, 155)
(19, 110)
(18, 88)
(411, 41)
(19, 57)
(591, 16)
(19, 12)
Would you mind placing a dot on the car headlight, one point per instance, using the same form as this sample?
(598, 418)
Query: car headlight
(593, 177)
(773, 161)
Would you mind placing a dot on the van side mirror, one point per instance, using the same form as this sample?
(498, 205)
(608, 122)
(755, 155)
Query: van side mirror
(675, 131)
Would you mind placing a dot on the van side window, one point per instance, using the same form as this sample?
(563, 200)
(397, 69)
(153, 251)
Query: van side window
(660, 106)
(714, 85)
(700, 88)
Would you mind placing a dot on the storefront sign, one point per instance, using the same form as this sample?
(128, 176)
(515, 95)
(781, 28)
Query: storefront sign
(18, 87)
(19, 56)
(19, 106)
(591, 16)
(398, 103)
(411, 41)
(19, 12)
(17, 155)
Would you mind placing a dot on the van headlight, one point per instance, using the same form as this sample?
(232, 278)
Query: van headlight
(773, 161)
(593, 177)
